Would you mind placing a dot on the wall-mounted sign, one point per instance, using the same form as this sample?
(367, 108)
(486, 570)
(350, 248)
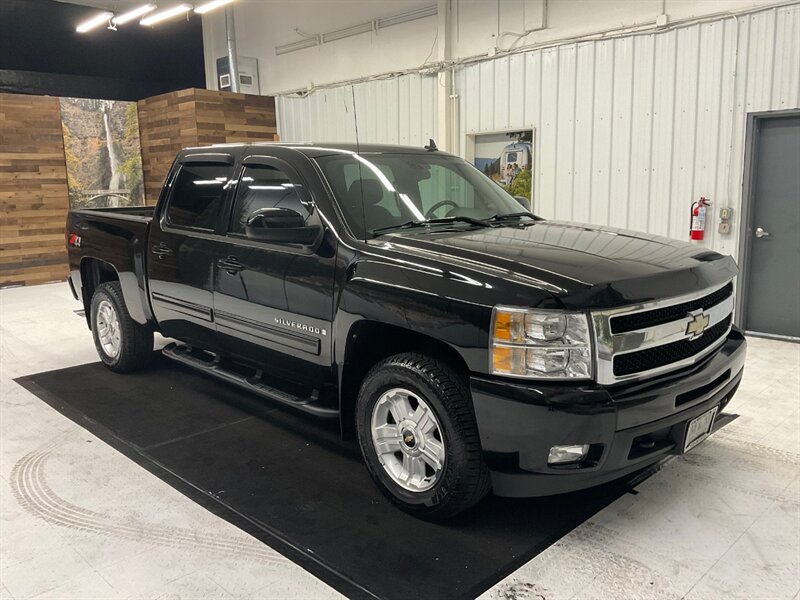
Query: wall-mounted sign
(507, 158)
(103, 153)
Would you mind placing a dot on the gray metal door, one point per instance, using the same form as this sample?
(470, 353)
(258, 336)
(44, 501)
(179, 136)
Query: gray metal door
(773, 284)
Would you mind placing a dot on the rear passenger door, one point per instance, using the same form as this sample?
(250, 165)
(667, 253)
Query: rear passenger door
(184, 244)
(272, 301)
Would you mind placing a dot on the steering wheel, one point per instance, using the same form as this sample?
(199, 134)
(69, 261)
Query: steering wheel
(437, 206)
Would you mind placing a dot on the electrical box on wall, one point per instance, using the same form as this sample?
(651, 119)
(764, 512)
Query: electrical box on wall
(248, 75)
(725, 216)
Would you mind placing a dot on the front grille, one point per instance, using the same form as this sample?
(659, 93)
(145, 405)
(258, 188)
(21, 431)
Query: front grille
(659, 356)
(659, 316)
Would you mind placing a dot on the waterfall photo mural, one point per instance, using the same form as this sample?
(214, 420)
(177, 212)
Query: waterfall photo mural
(103, 153)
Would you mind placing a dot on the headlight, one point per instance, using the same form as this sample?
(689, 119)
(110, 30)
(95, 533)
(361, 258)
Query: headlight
(540, 344)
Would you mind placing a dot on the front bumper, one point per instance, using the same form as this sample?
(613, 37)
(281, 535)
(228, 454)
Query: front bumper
(629, 426)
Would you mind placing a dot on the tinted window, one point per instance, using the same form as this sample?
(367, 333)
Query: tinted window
(265, 186)
(356, 172)
(396, 188)
(197, 195)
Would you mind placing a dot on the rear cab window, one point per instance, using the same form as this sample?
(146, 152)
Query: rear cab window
(197, 195)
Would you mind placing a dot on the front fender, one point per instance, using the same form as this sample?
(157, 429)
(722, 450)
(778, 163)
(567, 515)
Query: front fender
(423, 301)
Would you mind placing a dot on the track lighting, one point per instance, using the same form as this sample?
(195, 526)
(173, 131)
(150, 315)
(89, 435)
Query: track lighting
(95, 21)
(209, 6)
(151, 19)
(133, 14)
(165, 14)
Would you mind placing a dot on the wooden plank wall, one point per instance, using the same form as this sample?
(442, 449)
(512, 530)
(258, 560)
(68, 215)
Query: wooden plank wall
(224, 117)
(195, 117)
(33, 191)
(34, 199)
(167, 123)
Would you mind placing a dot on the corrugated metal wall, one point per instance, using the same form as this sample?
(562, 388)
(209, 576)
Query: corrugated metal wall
(628, 132)
(390, 111)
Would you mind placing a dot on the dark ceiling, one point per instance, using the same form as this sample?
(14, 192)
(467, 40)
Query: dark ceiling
(41, 53)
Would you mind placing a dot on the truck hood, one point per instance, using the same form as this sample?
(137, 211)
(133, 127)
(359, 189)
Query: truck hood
(582, 266)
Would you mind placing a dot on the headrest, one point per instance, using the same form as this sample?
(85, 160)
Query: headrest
(370, 190)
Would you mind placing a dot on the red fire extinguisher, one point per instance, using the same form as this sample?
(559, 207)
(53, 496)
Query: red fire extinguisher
(698, 223)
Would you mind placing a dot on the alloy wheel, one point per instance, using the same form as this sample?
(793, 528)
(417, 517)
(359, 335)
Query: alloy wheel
(408, 439)
(108, 328)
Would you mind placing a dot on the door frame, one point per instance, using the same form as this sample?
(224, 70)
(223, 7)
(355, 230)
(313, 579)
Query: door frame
(752, 139)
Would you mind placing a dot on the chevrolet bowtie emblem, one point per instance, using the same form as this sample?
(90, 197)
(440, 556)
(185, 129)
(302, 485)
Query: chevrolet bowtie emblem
(697, 325)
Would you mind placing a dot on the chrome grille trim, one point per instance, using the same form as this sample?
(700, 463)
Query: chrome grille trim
(609, 345)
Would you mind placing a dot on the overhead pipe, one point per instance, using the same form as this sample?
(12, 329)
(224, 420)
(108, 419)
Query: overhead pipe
(374, 25)
(233, 57)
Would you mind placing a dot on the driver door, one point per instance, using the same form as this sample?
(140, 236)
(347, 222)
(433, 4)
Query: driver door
(273, 301)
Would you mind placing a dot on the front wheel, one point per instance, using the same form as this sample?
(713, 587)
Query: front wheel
(417, 432)
(122, 344)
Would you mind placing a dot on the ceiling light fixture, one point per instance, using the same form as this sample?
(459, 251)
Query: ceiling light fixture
(133, 14)
(165, 14)
(95, 21)
(209, 6)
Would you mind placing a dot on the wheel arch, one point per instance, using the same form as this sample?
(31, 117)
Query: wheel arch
(369, 342)
(96, 271)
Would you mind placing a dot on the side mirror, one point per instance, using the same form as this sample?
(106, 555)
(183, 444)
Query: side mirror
(523, 201)
(281, 225)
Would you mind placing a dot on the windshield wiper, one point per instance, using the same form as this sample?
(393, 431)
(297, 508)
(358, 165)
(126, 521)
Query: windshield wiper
(508, 216)
(428, 222)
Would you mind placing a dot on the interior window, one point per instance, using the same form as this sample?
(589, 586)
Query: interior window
(356, 172)
(445, 184)
(265, 186)
(352, 171)
(197, 195)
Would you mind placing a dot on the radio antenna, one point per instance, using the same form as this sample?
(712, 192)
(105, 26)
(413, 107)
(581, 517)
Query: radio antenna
(358, 154)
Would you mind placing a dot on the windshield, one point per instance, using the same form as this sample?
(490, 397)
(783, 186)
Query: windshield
(379, 191)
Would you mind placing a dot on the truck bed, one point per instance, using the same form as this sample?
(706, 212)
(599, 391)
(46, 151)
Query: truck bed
(112, 239)
(128, 213)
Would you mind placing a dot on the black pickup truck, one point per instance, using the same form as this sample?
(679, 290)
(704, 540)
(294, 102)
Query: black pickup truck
(468, 344)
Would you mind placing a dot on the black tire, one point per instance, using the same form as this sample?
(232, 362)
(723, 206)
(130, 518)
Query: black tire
(464, 480)
(136, 341)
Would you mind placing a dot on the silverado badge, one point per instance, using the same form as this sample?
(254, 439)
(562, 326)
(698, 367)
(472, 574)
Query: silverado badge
(301, 326)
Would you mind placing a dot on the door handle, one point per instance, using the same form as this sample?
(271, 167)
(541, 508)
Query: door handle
(760, 233)
(161, 250)
(230, 265)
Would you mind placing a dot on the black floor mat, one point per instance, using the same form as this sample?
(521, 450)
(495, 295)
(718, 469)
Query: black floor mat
(289, 480)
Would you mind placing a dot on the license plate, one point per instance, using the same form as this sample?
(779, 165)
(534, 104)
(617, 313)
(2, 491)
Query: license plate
(698, 429)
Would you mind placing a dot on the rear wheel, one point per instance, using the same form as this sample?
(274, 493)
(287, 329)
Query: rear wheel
(418, 436)
(122, 344)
